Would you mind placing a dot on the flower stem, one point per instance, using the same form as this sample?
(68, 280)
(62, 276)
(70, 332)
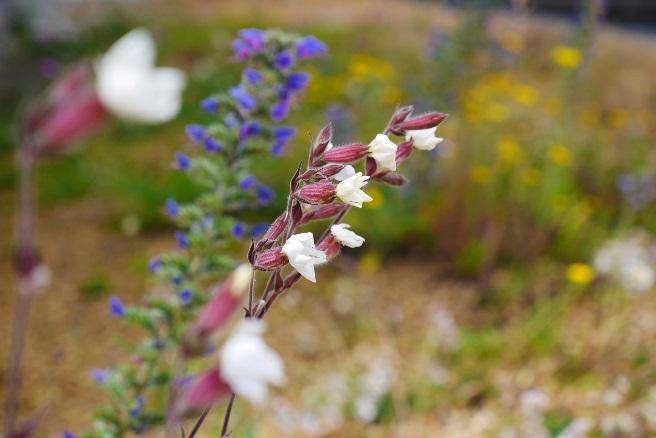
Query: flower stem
(226, 417)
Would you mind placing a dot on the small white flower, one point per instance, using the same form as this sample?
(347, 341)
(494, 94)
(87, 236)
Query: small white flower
(349, 190)
(248, 365)
(424, 139)
(345, 236)
(302, 254)
(383, 150)
(347, 172)
(131, 87)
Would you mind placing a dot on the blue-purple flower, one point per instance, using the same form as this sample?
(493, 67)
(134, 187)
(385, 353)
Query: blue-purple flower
(237, 231)
(185, 296)
(211, 145)
(279, 110)
(252, 37)
(99, 376)
(247, 182)
(182, 161)
(154, 264)
(258, 229)
(252, 76)
(116, 307)
(297, 81)
(242, 97)
(171, 207)
(310, 47)
(182, 239)
(195, 132)
(283, 60)
(264, 194)
(209, 105)
(249, 129)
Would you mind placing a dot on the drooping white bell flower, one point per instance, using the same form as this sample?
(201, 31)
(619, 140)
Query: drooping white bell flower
(424, 139)
(383, 150)
(347, 172)
(303, 255)
(248, 365)
(131, 87)
(349, 190)
(345, 236)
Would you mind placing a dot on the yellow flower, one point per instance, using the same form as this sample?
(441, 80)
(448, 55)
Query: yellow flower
(481, 174)
(509, 150)
(589, 118)
(495, 112)
(560, 155)
(369, 263)
(566, 56)
(363, 68)
(525, 95)
(618, 118)
(378, 196)
(580, 273)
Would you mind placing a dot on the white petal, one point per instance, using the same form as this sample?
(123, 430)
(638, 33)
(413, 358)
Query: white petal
(345, 236)
(347, 172)
(136, 49)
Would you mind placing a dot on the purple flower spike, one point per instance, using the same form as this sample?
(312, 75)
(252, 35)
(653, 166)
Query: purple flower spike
(279, 110)
(247, 182)
(185, 296)
(68, 434)
(182, 239)
(310, 47)
(254, 38)
(182, 161)
(242, 98)
(297, 81)
(116, 307)
(283, 60)
(195, 132)
(171, 207)
(252, 76)
(264, 194)
(212, 145)
(238, 230)
(209, 105)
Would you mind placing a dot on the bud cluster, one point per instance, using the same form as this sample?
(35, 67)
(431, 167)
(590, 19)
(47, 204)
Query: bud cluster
(195, 303)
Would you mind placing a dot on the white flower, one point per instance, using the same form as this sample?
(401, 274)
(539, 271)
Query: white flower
(302, 254)
(347, 172)
(349, 190)
(345, 236)
(383, 150)
(248, 365)
(424, 139)
(130, 86)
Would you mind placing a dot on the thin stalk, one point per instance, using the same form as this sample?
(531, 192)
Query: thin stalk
(24, 288)
(226, 417)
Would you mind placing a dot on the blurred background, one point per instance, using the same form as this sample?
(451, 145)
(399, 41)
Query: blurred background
(507, 291)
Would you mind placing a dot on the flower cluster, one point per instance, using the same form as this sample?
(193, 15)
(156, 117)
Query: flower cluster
(196, 298)
(327, 189)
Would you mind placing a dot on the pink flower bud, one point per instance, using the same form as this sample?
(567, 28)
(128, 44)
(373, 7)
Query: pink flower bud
(322, 140)
(393, 179)
(322, 192)
(322, 212)
(220, 308)
(401, 114)
(330, 169)
(330, 246)
(271, 259)
(403, 151)
(276, 228)
(425, 121)
(346, 154)
(204, 390)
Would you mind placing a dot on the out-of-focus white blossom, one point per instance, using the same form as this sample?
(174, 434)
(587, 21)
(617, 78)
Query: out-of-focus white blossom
(130, 86)
(579, 428)
(628, 261)
(345, 236)
(383, 150)
(248, 365)
(424, 139)
(349, 190)
(375, 383)
(347, 172)
(302, 254)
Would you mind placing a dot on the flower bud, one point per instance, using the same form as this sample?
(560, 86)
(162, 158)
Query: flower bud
(322, 192)
(346, 154)
(270, 260)
(223, 304)
(276, 228)
(322, 212)
(393, 179)
(203, 391)
(321, 142)
(330, 246)
(330, 169)
(401, 114)
(403, 151)
(425, 121)
(370, 166)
